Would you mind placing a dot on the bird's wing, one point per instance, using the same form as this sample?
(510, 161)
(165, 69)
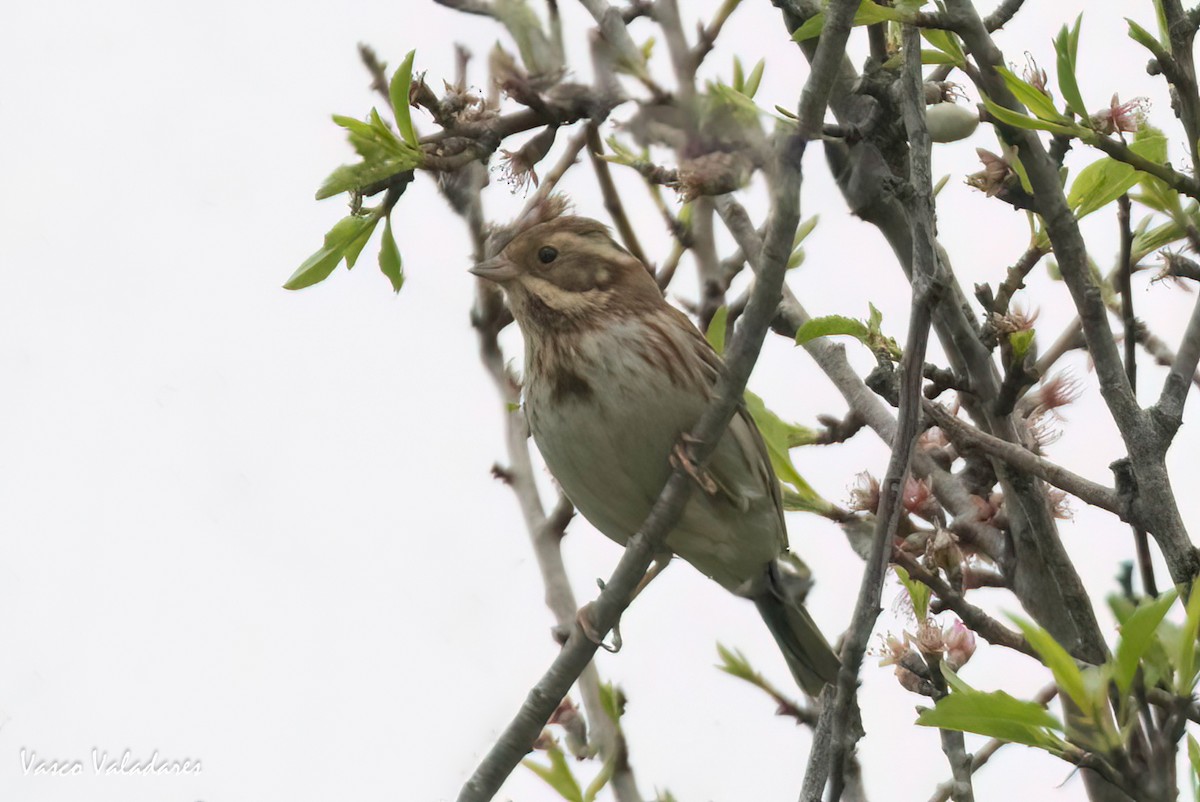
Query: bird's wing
(741, 465)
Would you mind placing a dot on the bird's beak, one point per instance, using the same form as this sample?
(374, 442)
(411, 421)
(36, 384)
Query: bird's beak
(498, 268)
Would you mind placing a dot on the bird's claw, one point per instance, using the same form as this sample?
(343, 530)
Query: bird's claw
(584, 619)
(681, 459)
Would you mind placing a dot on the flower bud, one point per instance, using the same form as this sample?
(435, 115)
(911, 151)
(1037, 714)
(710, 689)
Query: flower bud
(960, 645)
(950, 122)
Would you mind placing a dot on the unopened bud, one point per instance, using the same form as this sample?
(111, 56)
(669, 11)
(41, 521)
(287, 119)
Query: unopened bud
(950, 122)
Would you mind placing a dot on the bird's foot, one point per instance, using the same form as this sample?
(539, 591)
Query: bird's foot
(584, 619)
(680, 458)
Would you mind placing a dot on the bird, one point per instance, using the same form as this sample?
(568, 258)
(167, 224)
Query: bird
(615, 377)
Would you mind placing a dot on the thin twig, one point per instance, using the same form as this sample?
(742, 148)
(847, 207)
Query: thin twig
(972, 617)
(612, 199)
(1175, 389)
(925, 290)
(1141, 541)
(966, 436)
(1145, 436)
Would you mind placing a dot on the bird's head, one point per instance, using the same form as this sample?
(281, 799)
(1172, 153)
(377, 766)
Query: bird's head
(568, 274)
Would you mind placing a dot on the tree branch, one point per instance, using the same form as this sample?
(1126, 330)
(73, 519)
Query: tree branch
(926, 287)
(1155, 503)
(966, 436)
(1179, 379)
(972, 617)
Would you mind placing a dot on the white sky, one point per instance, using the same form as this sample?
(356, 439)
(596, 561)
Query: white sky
(256, 528)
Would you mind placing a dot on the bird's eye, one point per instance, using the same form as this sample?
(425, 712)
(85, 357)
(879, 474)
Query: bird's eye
(547, 255)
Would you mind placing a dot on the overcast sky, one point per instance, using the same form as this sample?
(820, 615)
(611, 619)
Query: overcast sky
(256, 528)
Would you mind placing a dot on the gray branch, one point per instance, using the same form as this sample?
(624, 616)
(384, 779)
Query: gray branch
(844, 732)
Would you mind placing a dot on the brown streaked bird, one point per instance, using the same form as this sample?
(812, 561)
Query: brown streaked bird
(614, 377)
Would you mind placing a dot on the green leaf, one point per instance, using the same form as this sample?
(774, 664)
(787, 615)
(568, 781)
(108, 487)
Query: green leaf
(716, 329)
(945, 42)
(734, 663)
(1034, 100)
(612, 699)
(1194, 760)
(355, 246)
(315, 269)
(356, 177)
(340, 238)
(832, 325)
(1066, 673)
(398, 92)
(602, 777)
(1185, 667)
(1018, 120)
(811, 28)
(1105, 180)
(936, 57)
(995, 715)
(778, 436)
(1020, 341)
(1066, 46)
(1137, 633)
(953, 681)
(918, 592)
(1143, 37)
(804, 229)
(739, 78)
(389, 258)
(557, 775)
(750, 89)
(868, 13)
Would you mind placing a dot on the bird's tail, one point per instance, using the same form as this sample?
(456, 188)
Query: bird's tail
(812, 662)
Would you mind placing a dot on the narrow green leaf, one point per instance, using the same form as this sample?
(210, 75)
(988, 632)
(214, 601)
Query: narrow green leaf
(1185, 676)
(810, 29)
(1018, 120)
(874, 320)
(602, 777)
(945, 42)
(355, 177)
(1066, 46)
(612, 699)
(1143, 37)
(739, 78)
(1066, 673)
(953, 681)
(832, 325)
(918, 592)
(804, 229)
(716, 329)
(398, 92)
(1041, 106)
(868, 13)
(995, 715)
(1137, 633)
(557, 775)
(1194, 756)
(389, 258)
(355, 246)
(750, 89)
(936, 57)
(317, 267)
